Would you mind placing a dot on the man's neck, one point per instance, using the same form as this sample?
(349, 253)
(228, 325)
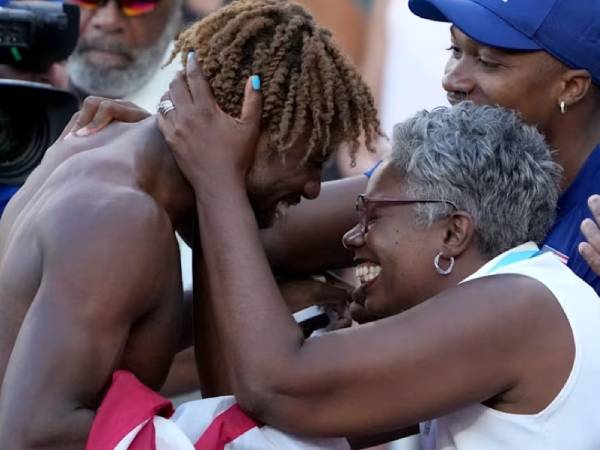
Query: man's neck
(157, 172)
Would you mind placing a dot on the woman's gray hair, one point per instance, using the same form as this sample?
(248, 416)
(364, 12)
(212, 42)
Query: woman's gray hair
(486, 161)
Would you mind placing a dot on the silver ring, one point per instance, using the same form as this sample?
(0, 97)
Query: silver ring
(165, 106)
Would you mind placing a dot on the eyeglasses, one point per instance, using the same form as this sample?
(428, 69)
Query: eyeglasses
(129, 8)
(363, 202)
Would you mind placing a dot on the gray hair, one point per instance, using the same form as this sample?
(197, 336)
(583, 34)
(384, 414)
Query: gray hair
(489, 163)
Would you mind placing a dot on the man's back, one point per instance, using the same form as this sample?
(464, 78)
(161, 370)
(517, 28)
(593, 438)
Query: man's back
(89, 283)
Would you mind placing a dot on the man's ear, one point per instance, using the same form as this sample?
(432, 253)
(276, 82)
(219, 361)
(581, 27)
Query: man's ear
(576, 83)
(459, 232)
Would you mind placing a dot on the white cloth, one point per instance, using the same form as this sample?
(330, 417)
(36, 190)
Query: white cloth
(132, 417)
(571, 421)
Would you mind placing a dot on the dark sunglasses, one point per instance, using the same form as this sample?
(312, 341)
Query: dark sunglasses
(129, 8)
(363, 202)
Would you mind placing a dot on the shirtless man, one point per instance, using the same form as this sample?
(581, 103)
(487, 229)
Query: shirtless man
(89, 282)
(89, 266)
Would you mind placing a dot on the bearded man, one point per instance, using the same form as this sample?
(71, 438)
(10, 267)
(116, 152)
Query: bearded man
(121, 47)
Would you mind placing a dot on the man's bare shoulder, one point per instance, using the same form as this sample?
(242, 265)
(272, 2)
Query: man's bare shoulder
(56, 168)
(98, 212)
(113, 240)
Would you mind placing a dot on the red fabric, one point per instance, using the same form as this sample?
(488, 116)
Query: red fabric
(146, 438)
(228, 426)
(127, 404)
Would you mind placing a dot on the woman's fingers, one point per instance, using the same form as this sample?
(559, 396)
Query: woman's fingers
(590, 250)
(97, 112)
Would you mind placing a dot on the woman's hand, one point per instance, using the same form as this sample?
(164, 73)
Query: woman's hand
(97, 112)
(210, 147)
(302, 293)
(591, 250)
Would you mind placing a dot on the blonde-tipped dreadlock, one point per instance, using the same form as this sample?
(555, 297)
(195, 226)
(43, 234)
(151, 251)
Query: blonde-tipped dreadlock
(310, 89)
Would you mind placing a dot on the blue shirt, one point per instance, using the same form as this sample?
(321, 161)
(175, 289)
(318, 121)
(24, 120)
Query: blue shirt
(6, 192)
(565, 234)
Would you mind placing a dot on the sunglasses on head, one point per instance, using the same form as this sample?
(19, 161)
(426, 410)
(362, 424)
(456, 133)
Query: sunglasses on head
(129, 8)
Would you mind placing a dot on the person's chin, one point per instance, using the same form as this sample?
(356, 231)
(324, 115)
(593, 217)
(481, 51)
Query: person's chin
(376, 306)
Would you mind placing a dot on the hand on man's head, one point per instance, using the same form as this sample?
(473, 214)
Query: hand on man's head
(210, 146)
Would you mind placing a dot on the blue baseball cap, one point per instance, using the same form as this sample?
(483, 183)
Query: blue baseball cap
(567, 29)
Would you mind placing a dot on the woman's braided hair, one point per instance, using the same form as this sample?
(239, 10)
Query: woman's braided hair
(310, 90)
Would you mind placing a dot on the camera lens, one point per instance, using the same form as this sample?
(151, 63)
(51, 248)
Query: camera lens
(23, 137)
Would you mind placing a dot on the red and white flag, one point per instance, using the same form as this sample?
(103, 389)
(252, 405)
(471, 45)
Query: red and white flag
(133, 417)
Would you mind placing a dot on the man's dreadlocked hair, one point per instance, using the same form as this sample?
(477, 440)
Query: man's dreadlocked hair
(308, 85)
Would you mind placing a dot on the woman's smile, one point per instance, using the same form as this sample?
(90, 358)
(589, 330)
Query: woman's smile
(367, 273)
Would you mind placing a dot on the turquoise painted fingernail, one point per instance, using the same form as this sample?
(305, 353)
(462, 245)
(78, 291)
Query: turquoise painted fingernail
(255, 80)
(191, 55)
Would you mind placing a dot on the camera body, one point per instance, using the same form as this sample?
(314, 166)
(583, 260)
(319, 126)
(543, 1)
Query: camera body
(32, 116)
(33, 35)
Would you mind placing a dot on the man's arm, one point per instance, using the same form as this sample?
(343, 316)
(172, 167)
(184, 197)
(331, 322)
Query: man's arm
(102, 273)
(590, 250)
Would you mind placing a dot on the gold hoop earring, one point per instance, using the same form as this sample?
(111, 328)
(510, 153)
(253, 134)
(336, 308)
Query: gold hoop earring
(563, 108)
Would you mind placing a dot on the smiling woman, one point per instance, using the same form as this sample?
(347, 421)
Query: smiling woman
(448, 178)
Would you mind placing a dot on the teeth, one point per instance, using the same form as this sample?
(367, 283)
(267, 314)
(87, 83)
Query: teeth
(281, 210)
(366, 272)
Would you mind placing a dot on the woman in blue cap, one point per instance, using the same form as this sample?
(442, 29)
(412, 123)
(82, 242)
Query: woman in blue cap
(541, 58)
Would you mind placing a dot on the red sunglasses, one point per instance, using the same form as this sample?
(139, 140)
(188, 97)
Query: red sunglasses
(129, 8)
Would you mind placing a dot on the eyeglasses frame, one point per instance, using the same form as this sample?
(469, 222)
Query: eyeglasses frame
(387, 201)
